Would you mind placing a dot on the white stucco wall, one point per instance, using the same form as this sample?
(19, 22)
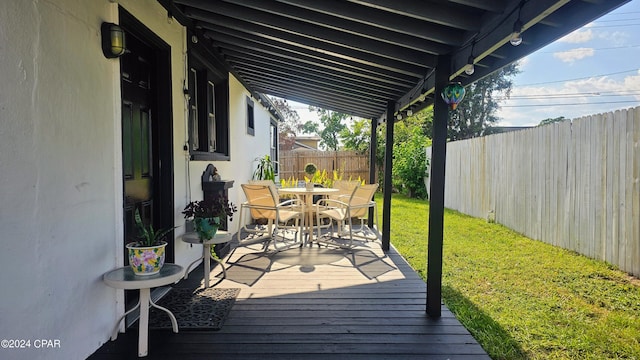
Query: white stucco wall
(60, 169)
(57, 160)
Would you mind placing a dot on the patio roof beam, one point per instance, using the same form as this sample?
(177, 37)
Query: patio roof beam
(358, 108)
(431, 11)
(310, 78)
(384, 20)
(330, 50)
(495, 6)
(337, 23)
(309, 86)
(267, 48)
(301, 32)
(326, 76)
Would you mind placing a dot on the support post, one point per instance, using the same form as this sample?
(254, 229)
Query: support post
(436, 207)
(373, 143)
(388, 163)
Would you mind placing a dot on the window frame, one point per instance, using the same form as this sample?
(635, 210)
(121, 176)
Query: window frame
(251, 117)
(208, 105)
(274, 145)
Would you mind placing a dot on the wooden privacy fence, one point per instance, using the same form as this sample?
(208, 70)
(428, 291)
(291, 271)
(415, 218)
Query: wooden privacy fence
(348, 163)
(571, 184)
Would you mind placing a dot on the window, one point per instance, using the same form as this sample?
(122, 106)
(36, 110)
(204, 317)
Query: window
(208, 106)
(273, 134)
(251, 130)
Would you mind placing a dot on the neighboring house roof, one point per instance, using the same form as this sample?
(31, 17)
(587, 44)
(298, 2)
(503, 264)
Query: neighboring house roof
(301, 146)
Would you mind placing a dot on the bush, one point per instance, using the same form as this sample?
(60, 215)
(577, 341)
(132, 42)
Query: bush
(410, 165)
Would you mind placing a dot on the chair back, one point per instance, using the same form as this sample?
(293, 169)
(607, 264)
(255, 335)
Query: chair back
(362, 200)
(345, 188)
(261, 182)
(262, 198)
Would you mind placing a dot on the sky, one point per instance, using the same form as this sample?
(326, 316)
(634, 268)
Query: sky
(595, 69)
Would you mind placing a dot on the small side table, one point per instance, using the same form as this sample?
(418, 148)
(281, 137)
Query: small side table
(124, 278)
(221, 237)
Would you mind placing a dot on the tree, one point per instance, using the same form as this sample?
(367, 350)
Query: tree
(552, 120)
(332, 124)
(290, 126)
(357, 136)
(476, 112)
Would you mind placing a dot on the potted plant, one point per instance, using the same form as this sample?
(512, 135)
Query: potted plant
(265, 169)
(146, 255)
(310, 169)
(207, 214)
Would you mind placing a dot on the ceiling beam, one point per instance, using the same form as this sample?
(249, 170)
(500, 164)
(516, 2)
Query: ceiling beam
(309, 86)
(311, 80)
(326, 39)
(328, 78)
(339, 53)
(495, 6)
(382, 19)
(432, 11)
(355, 109)
(300, 55)
(351, 27)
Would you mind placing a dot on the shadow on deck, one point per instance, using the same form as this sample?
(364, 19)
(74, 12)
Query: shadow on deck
(314, 303)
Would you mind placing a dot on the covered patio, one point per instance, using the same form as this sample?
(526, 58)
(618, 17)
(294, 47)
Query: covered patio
(314, 303)
(380, 60)
(91, 137)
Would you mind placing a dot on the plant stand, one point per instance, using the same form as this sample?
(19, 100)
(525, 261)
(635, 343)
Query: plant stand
(221, 237)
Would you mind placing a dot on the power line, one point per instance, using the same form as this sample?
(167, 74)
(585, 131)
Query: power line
(571, 95)
(581, 78)
(571, 104)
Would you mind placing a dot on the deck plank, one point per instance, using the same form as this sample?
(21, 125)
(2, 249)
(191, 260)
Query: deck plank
(315, 303)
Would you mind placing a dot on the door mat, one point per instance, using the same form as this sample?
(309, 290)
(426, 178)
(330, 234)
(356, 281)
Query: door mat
(202, 309)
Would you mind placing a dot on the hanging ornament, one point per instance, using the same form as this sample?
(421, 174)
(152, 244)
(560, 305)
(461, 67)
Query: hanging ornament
(453, 94)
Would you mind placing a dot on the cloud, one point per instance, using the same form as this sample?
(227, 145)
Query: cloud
(578, 37)
(573, 99)
(572, 55)
(615, 38)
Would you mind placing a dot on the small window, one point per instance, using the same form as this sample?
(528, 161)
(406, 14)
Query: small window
(208, 106)
(273, 134)
(193, 111)
(211, 115)
(251, 130)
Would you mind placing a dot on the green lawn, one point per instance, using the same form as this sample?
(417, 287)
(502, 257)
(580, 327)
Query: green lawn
(520, 298)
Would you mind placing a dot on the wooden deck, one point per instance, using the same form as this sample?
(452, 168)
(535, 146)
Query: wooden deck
(315, 303)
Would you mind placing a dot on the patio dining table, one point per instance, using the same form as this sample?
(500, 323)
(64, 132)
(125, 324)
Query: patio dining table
(306, 195)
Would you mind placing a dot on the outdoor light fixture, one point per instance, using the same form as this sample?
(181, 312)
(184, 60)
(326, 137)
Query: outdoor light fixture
(409, 112)
(453, 94)
(516, 35)
(399, 116)
(469, 69)
(113, 40)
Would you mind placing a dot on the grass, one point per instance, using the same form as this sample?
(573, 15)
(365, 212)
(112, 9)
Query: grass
(520, 298)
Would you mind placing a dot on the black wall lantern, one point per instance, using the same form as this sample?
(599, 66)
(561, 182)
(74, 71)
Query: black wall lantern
(113, 40)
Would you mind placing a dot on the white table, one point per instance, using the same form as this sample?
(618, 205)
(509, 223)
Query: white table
(307, 195)
(124, 278)
(221, 237)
